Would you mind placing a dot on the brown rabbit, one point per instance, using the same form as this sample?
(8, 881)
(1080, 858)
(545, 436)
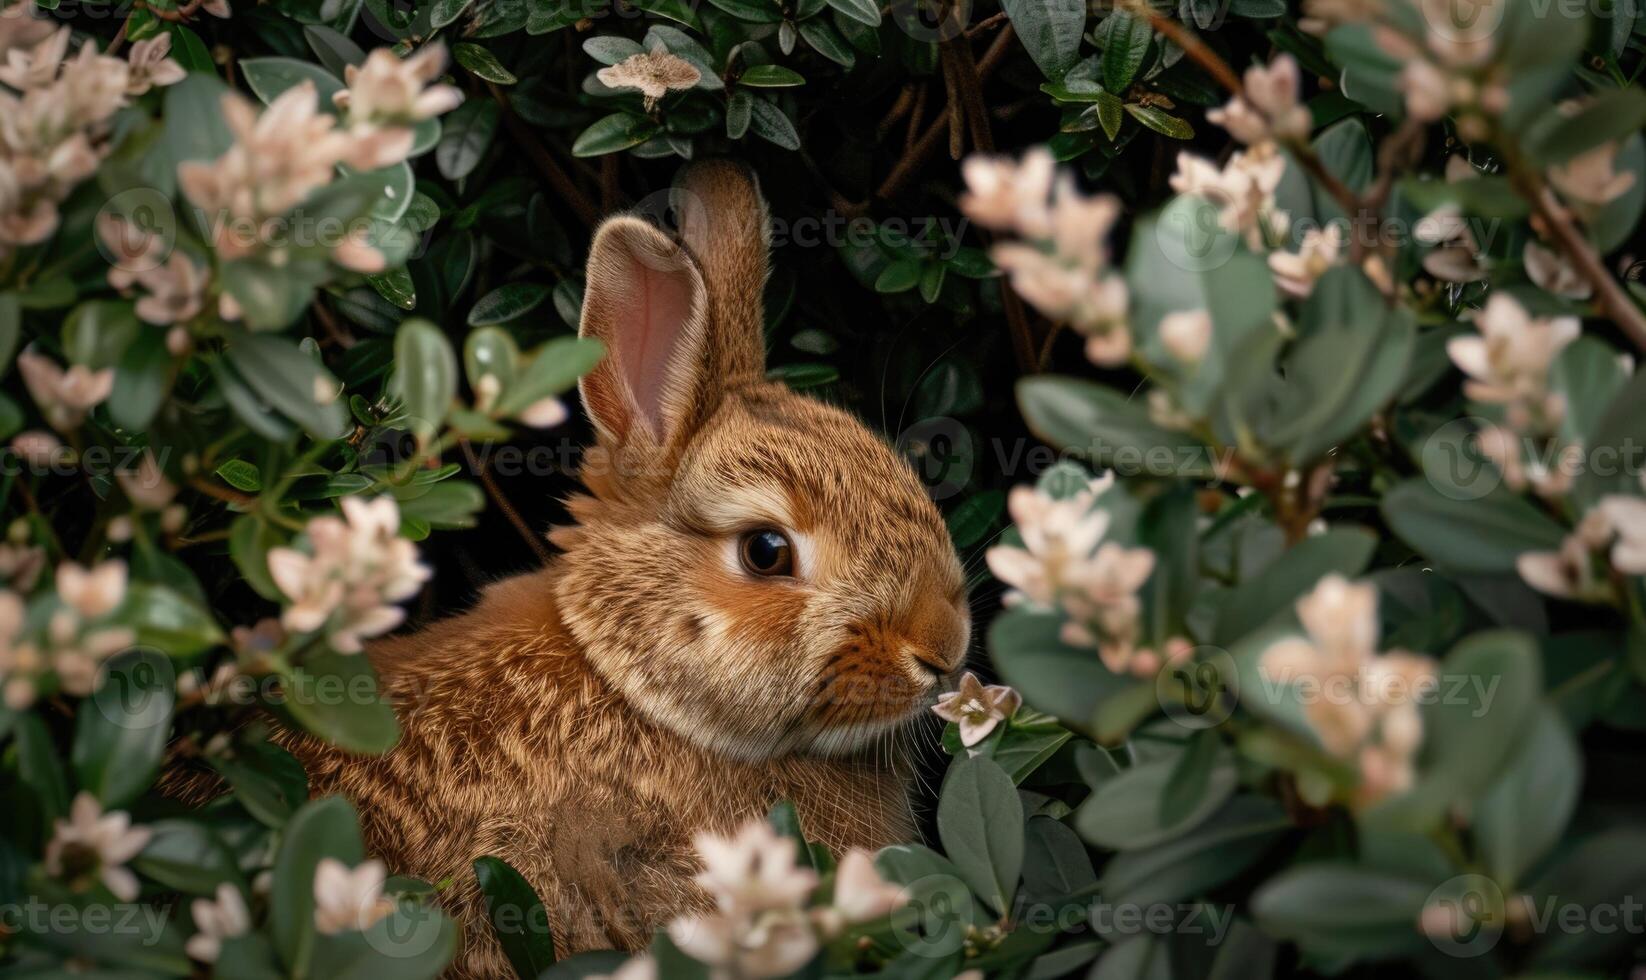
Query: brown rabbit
(756, 594)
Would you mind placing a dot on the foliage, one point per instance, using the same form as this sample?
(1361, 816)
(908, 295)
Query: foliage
(1347, 669)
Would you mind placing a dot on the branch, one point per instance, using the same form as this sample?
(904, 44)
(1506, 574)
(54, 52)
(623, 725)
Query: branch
(532, 539)
(1556, 220)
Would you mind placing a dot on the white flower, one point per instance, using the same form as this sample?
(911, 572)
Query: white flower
(1508, 363)
(759, 928)
(94, 593)
(1570, 573)
(389, 90)
(217, 920)
(41, 449)
(1590, 179)
(1058, 537)
(1553, 272)
(1062, 290)
(357, 566)
(92, 844)
(1187, 334)
(655, 73)
(64, 397)
(1006, 195)
(860, 894)
(150, 66)
(544, 413)
(1270, 109)
(147, 488)
(1627, 516)
(19, 662)
(1243, 191)
(175, 287)
(975, 708)
(36, 67)
(348, 900)
(1360, 704)
(1296, 273)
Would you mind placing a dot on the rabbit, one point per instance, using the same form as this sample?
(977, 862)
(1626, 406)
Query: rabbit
(756, 596)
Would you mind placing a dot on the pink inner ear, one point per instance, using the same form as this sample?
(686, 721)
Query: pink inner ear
(653, 333)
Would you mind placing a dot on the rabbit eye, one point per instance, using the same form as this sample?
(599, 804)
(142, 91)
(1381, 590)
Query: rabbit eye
(766, 552)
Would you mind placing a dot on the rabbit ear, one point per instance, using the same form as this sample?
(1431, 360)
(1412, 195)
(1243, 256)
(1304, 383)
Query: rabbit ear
(724, 223)
(646, 301)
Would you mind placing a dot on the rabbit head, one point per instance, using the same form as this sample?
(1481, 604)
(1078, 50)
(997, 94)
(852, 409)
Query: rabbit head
(751, 568)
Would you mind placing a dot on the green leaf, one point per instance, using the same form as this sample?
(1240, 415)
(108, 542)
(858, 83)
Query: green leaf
(517, 916)
(1127, 46)
(121, 732)
(141, 381)
(898, 277)
(863, 11)
(396, 286)
(1161, 121)
(186, 855)
(11, 326)
(336, 696)
(739, 111)
(1613, 114)
(272, 296)
(38, 766)
(1063, 680)
(1100, 424)
(1524, 813)
(615, 132)
(1338, 910)
(1191, 777)
(425, 376)
(250, 538)
(1271, 592)
(269, 78)
(96, 333)
(290, 381)
(1232, 840)
(195, 128)
(826, 41)
(1490, 687)
(1050, 30)
(507, 302)
(168, 620)
(975, 517)
(1124, 813)
(241, 475)
(482, 63)
(325, 828)
(553, 369)
(333, 48)
(980, 821)
(444, 12)
(770, 124)
(752, 11)
(1483, 535)
(770, 76)
(466, 135)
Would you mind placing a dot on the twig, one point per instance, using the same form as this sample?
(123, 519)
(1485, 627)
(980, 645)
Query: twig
(915, 158)
(532, 539)
(987, 24)
(545, 162)
(1613, 301)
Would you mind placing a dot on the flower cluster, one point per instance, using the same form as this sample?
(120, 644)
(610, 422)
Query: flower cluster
(357, 566)
(77, 636)
(1360, 704)
(1612, 532)
(64, 395)
(54, 131)
(761, 925)
(349, 899)
(1061, 266)
(292, 148)
(1065, 564)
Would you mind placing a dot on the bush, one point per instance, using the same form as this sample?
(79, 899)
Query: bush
(1320, 643)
